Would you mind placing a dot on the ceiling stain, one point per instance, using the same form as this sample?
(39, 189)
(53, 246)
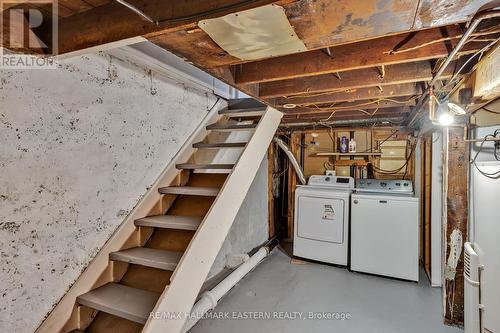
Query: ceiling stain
(432, 13)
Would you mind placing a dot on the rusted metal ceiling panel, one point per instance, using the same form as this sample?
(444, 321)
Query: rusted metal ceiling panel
(321, 23)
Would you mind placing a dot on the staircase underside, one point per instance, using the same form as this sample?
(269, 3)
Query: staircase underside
(153, 279)
(201, 200)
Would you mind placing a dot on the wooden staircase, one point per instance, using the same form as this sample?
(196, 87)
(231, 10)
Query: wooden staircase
(174, 243)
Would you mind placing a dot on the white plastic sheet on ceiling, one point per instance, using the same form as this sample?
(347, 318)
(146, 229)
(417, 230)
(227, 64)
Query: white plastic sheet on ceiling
(252, 34)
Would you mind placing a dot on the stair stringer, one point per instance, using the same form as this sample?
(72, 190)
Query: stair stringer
(99, 271)
(197, 260)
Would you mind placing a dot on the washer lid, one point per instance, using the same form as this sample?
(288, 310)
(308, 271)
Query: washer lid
(385, 186)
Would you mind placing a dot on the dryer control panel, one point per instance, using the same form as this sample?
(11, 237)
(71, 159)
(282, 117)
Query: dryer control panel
(331, 181)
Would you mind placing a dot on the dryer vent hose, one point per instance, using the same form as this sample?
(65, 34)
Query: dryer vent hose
(293, 160)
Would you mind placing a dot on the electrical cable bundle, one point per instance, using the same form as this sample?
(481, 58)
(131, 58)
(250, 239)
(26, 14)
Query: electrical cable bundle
(492, 175)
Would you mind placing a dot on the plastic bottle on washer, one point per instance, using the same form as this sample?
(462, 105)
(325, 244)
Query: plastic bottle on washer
(352, 146)
(344, 145)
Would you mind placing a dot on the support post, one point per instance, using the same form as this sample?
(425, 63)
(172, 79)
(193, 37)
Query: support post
(456, 224)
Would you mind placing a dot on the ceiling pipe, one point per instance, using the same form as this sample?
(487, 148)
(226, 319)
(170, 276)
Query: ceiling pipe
(489, 11)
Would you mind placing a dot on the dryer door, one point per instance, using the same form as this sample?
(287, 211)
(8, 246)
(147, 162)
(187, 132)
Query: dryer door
(321, 218)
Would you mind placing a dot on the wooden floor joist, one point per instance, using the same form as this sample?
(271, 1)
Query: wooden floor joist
(388, 91)
(114, 22)
(360, 78)
(327, 116)
(365, 54)
(352, 106)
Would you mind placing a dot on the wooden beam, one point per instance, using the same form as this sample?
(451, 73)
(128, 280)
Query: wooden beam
(113, 22)
(360, 78)
(383, 51)
(456, 212)
(391, 112)
(389, 91)
(369, 104)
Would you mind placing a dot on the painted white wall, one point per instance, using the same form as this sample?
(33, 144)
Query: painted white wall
(250, 227)
(484, 227)
(79, 147)
(436, 209)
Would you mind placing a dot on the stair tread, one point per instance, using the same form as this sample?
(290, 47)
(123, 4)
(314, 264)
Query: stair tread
(144, 256)
(220, 145)
(250, 112)
(121, 301)
(170, 222)
(231, 127)
(190, 190)
(204, 166)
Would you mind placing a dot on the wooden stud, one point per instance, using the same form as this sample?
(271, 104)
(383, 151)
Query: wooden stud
(292, 181)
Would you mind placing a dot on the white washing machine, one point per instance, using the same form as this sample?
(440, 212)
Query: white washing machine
(384, 228)
(321, 219)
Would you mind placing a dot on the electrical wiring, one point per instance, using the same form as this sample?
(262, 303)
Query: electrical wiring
(329, 117)
(316, 94)
(395, 171)
(336, 107)
(444, 39)
(494, 175)
(488, 110)
(394, 132)
(480, 52)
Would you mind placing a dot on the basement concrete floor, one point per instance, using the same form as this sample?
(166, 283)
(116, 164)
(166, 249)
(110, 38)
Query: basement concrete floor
(374, 304)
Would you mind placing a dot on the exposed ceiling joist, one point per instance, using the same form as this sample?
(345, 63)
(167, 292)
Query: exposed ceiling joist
(401, 48)
(388, 91)
(361, 78)
(348, 107)
(328, 116)
(114, 22)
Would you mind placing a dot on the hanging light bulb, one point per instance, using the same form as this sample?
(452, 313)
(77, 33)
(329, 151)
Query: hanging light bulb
(446, 119)
(313, 143)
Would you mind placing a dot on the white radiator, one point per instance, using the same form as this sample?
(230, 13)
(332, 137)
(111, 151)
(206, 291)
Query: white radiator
(472, 290)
